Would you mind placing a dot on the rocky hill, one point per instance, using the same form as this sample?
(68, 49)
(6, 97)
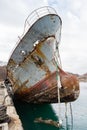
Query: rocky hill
(82, 78)
(2, 73)
(2, 63)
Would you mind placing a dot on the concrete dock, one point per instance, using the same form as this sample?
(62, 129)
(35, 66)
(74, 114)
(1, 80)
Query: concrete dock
(15, 123)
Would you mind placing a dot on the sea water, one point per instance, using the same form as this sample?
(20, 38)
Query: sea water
(73, 116)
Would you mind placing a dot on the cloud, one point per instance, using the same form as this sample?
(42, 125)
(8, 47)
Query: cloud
(12, 18)
(73, 45)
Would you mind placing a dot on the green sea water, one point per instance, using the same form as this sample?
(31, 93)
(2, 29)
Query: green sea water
(29, 112)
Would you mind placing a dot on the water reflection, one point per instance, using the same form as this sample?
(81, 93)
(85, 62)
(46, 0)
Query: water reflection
(29, 112)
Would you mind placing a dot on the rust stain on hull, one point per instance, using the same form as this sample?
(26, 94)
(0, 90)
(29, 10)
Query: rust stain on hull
(31, 69)
(45, 91)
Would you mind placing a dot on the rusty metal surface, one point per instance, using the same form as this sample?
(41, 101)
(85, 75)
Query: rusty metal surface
(31, 60)
(31, 69)
(45, 91)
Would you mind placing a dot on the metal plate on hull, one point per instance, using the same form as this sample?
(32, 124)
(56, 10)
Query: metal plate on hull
(32, 59)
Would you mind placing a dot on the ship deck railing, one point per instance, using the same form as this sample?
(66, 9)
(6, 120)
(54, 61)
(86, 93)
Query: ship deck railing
(35, 15)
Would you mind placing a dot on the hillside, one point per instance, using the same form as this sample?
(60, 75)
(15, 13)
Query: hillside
(2, 63)
(83, 78)
(2, 73)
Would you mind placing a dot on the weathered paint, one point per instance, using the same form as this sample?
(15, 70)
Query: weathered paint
(31, 69)
(46, 91)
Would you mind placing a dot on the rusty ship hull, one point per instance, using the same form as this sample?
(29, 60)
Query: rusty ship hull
(46, 91)
(31, 69)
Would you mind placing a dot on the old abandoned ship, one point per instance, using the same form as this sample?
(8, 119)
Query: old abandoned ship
(34, 73)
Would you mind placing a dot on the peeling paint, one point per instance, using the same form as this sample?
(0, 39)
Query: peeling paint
(31, 69)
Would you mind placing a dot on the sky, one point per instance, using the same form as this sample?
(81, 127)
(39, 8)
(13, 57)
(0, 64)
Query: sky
(73, 45)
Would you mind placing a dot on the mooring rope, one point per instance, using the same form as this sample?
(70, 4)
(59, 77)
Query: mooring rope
(58, 63)
(71, 113)
(66, 115)
(4, 117)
